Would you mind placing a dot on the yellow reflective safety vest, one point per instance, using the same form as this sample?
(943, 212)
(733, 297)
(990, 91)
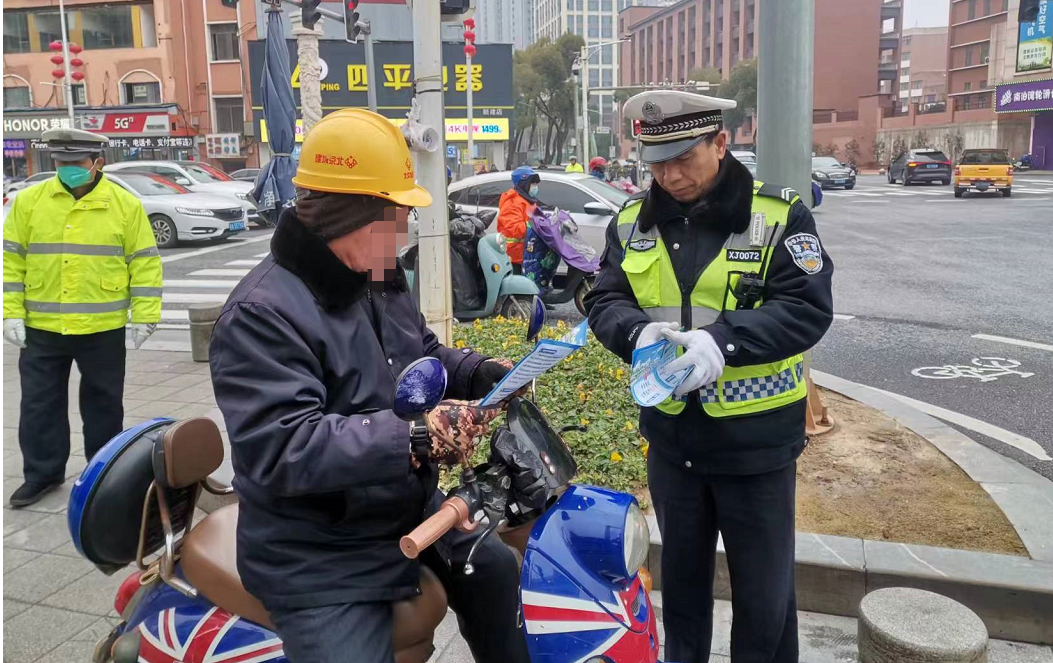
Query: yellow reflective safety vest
(76, 266)
(740, 389)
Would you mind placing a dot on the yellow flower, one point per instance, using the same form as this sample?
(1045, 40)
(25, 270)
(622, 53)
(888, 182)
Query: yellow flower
(610, 412)
(616, 457)
(561, 325)
(459, 344)
(601, 363)
(477, 324)
(499, 318)
(628, 425)
(581, 396)
(644, 449)
(584, 421)
(619, 374)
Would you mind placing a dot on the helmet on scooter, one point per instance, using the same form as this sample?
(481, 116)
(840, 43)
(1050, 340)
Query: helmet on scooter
(524, 173)
(597, 163)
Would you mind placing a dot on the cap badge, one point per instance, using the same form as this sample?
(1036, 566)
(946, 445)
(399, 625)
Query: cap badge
(652, 114)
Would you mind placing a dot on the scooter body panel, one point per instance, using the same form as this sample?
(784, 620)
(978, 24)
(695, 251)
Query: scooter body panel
(516, 284)
(572, 609)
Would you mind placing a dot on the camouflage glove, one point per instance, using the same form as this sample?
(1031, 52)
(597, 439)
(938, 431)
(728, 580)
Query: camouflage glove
(455, 428)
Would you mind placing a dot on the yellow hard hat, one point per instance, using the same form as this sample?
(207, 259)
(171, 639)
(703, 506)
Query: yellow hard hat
(357, 151)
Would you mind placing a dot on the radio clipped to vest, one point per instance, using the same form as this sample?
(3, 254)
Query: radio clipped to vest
(749, 289)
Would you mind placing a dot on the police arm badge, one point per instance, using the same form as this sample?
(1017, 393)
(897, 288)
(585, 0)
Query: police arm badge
(806, 252)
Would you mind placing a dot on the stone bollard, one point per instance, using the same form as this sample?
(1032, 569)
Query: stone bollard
(202, 318)
(906, 625)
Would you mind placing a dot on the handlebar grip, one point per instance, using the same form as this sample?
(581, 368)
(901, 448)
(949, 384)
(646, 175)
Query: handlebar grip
(452, 513)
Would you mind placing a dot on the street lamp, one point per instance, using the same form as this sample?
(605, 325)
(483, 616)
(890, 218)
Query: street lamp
(583, 65)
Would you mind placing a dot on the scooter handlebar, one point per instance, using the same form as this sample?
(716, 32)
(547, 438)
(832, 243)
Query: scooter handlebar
(452, 513)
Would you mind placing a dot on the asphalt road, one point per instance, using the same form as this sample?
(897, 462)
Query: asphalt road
(919, 274)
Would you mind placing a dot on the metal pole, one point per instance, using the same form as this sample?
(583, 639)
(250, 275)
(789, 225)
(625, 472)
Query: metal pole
(434, 277)
(585, 107)
(577, 109)
(371, 83)
(67, 85)
(784, 94)
(471, 121)
(310, 70)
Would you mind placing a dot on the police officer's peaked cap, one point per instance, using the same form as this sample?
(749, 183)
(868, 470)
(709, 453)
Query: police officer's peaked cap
(672, 122)
(73, 144)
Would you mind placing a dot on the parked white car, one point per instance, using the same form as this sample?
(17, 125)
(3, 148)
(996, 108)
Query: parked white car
(178, 214)
(196, 176)
(591, 202)
(35, 178)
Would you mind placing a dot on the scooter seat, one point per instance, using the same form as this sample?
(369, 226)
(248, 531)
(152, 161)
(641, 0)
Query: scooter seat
(209, 561)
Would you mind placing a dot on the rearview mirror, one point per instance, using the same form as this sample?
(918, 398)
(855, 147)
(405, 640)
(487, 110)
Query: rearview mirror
(182, 181)
(419, 388)
(599, 209)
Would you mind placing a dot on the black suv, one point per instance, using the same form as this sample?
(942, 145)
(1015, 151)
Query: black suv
(925, 165)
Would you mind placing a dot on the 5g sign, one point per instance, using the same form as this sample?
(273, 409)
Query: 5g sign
(122, 123)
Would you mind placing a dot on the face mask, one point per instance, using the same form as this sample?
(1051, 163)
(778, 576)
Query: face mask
(533, 190)
(74, 176)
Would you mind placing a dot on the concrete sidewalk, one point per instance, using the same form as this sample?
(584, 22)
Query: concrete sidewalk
(57, 605)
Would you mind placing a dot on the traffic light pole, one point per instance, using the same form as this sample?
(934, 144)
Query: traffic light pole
(310, 71)
(371, 85)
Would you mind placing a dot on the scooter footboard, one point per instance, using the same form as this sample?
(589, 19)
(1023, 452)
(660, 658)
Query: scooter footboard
(516, 284)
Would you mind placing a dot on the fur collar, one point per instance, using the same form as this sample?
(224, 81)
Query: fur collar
(728, 203)
(308, 257)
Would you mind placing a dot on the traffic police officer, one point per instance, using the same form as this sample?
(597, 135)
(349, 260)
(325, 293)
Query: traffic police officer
(78, 252)
(736, 265)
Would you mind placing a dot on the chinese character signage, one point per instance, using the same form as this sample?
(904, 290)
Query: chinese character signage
(345, 81)
(220, 146)
(456, 130)
(29, 126)
(1027, 96)
(1034, 50)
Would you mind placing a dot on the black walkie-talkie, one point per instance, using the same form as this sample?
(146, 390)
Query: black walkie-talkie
(749, 289)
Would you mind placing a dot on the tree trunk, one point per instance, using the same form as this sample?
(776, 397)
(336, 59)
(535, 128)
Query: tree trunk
(548, 143)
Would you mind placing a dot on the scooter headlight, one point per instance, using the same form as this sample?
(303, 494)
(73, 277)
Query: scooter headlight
(637, 539)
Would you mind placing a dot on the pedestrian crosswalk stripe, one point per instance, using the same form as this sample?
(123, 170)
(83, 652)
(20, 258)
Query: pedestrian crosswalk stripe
(194, 297)
(242, 263)
(200, 283)
(263, 255)
(219, 272)
(174, 314)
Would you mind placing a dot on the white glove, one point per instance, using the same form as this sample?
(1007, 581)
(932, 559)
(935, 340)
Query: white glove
(701, 351)
(15, 331)
(140, 333)
(652, 333)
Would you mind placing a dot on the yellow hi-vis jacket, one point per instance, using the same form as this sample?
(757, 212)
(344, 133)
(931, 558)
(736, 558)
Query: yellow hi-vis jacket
(76, 266)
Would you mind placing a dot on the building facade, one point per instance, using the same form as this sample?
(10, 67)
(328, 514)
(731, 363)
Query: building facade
(160, 76)
(923, 68)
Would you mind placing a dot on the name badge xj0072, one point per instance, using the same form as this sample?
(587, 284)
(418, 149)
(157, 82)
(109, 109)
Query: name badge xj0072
(806, 252)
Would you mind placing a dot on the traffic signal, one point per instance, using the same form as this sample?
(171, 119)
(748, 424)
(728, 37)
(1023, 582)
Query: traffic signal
(454, 7)
(309, 13)
(1028, 12)
(351, 18)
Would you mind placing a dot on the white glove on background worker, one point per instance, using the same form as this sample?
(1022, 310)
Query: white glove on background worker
(15, 332)
(140, 333)
(700, 351)
(652, 333)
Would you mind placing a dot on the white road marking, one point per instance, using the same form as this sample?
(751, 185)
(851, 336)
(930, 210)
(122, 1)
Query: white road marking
(898, 193)
(263, 255)
(219, 272)
(164, 325)
(200, 283)
(193, 298)
(842, 316)
(984, 369)
(174, 314)
(213, 249)
(242, 263)
(1014, 341)
(1025, 444)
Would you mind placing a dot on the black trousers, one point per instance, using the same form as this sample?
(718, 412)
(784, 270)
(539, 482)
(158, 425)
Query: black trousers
(486, 604)
(755, 516)
(43, 427)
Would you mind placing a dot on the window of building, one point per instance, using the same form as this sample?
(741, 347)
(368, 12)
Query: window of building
(985, 51)
(594, 27)
(607, 56)
(80, 95)
(906, 41)
(225, 42)
(608, 78)
(968, 56)
(16, 97)
(605, 5)
(606, 29)
(16, 32)
(983, 100)
(142, 93)
(594, 5)
(108, 27)
(905, 56)
(968, 86)
(594, 77)
(916, 85)
(230, 115)
(972, 9)
(905, 71)
(983, 84)
(987, 7)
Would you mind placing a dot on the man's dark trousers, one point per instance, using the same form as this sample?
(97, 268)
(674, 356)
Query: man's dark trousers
(755, 516)
(43, 427)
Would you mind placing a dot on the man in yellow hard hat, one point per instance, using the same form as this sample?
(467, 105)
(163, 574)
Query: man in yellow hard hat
(304, 359)
(79, 252)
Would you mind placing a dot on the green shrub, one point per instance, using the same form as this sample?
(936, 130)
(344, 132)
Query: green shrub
(589, 387)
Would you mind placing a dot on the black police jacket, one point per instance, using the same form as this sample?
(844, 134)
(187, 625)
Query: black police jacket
(303, 366)
(796, 312)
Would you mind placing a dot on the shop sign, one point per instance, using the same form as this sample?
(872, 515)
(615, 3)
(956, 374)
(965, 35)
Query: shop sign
(1034, 50)
(125, 123)
(219, 146)
(1023, 97)
(33, 126)
(14, 147)
(494, 129)
(144, 143)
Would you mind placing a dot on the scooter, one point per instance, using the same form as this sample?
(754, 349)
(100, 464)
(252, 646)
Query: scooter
(1024, 163)
(551, 237)
(582, 593)
(506, 293)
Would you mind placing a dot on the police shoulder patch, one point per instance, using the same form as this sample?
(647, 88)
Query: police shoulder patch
(643, 244)
(806, 252)
(774, 191)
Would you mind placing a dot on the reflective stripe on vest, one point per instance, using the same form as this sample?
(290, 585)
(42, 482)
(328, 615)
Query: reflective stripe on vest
(649, 269)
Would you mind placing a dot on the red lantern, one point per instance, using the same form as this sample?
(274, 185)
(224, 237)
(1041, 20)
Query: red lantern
(55, 45)
(469, 36)
(469, 50)
(469, 23)
(56, 60)
(77, 75)
(74, 48)
(76, 62)
(58, 73)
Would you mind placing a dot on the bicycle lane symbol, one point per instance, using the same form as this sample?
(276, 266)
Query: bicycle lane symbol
(984, 369)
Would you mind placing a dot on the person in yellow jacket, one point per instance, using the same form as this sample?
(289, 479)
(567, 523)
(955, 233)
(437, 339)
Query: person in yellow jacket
(79, 252)
(574, 166)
